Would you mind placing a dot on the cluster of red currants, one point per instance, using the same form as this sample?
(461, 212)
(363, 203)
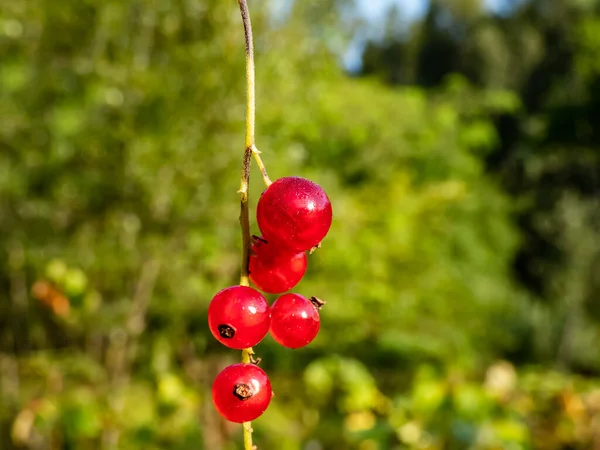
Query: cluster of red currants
(294, 215)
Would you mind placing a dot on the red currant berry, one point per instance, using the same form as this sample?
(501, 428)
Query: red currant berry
(239, 317)
(294, 213)
(275, 270)
(295, 320)
(241, 392)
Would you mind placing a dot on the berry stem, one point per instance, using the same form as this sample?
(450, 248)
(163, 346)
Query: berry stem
(245, 220)
(248, 436)
(249, 151)
(247, 355)
(247, 426)
(251, 94)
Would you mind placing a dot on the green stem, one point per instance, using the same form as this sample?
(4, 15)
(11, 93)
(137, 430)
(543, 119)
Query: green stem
(249, 151)
(245, 219)
(247, 426)
(251, 92)
(248, 436)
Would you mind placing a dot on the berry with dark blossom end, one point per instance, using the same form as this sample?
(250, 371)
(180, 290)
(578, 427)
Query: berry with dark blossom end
(275, 270)
(239, 317)
(241, 392)
(295, 320)
(294, 213)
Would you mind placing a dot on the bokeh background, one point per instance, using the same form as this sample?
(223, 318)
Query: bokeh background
(459, 141)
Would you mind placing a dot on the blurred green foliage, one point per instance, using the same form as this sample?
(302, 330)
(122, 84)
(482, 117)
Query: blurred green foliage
(459, 272)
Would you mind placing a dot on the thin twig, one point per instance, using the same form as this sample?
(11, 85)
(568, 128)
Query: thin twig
(261, 166)
(251, 93)
(245, 219)
(248, 436)
(247, 426)
(249, 151)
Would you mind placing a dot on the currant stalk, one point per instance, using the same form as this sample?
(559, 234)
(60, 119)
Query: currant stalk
(249, 151)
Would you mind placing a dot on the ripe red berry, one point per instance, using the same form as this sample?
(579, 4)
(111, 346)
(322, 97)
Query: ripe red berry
(241, 392)
(239, 317)
(294, 213)
(295, 320)
(275, 270)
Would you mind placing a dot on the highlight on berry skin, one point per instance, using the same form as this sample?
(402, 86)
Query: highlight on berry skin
(294, 213)
(239, 317)
(241, 392)
(295, 320)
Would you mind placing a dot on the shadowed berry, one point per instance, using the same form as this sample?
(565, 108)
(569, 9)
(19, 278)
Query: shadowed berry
(275, 270)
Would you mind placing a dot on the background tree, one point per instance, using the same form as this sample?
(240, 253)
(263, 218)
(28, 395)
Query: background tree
(460, 267)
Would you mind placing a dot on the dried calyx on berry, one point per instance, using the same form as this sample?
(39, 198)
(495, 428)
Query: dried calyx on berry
(226, 331)
(317, 303)
(243, 391)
